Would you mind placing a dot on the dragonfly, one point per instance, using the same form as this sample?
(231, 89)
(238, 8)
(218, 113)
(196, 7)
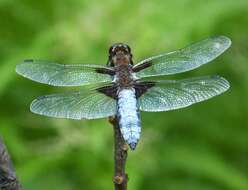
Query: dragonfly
(124, 89)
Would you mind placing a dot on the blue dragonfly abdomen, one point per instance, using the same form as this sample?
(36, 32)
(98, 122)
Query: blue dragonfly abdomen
(129, 116)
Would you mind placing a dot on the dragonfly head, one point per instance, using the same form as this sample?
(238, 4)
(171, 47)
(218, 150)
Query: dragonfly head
(119, 53)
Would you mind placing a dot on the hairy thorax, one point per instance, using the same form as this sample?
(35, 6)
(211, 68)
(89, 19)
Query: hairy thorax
(124, 75)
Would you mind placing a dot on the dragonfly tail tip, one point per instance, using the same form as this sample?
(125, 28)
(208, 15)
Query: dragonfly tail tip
(133, 145)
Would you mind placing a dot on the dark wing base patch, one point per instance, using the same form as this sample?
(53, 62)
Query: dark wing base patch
(110, 91)
(140, 89)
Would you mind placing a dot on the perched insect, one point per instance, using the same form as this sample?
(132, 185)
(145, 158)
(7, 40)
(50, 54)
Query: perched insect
(123, 89)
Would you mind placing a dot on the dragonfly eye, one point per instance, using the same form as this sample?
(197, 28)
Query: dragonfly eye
(119, 47)
(128, 49)
(111, 50)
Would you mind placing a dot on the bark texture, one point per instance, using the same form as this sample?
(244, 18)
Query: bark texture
(8, 179)
(120, 156)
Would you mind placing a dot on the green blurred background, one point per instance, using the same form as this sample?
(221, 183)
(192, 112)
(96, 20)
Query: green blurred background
(203, 147)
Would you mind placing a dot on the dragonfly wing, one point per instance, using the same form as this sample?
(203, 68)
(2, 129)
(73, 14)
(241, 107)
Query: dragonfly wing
(63, 75)
(75, 105)
(173, 94)
(183, 60)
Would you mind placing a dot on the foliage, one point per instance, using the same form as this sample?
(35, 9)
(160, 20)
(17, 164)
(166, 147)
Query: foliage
(201, 147)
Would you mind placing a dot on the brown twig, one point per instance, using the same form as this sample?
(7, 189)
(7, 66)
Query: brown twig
(120, 156)
(8, 179)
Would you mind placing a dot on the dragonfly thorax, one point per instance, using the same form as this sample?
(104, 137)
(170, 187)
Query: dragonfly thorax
(124, 75)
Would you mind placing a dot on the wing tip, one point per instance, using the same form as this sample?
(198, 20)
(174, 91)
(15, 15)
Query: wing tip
(19, 67)
(33, 104)
(223, 40)
(224, 82)
(227, 40)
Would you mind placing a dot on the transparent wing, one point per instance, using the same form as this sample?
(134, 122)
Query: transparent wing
(174, 94)
(63, 75)
(75, 105)
(183, 60)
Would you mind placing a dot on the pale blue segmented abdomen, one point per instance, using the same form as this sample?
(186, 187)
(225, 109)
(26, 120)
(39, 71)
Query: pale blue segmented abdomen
(129, 116)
